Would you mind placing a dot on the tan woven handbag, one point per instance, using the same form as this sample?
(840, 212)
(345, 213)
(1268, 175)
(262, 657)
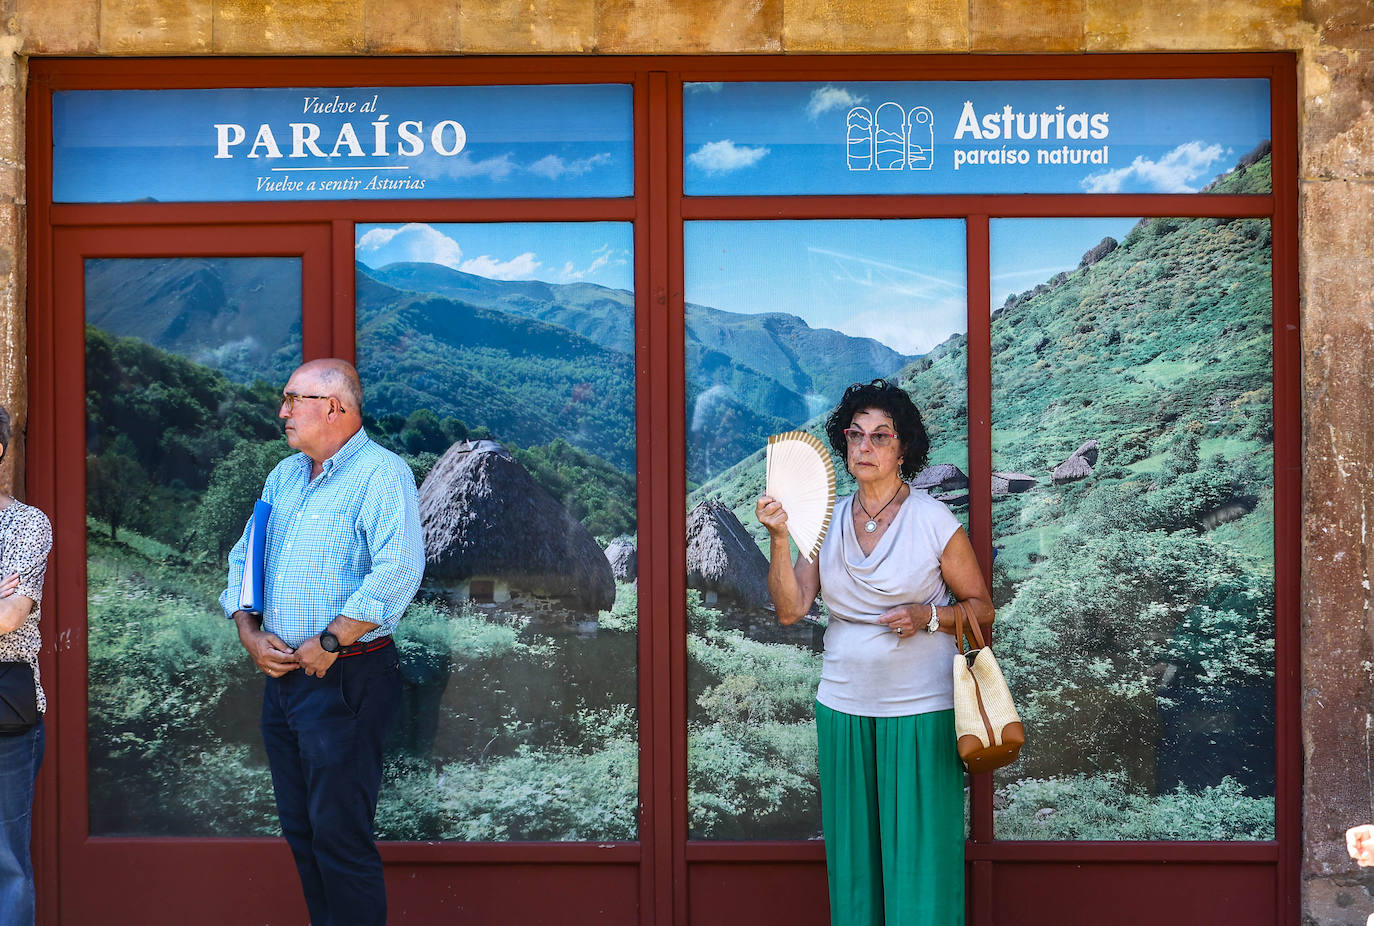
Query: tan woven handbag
(986, 725)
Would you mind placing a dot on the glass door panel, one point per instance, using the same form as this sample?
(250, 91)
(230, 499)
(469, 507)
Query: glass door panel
(1133, 522)
(185, 357)
(782, 316)
(499, 360)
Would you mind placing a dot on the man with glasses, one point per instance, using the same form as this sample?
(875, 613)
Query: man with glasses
(344, 556)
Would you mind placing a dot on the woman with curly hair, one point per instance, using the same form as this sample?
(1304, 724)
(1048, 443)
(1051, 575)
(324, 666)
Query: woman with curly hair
(25, 539)
(894, 567)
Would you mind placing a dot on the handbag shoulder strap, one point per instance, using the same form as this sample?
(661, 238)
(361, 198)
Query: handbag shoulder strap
(960, 616)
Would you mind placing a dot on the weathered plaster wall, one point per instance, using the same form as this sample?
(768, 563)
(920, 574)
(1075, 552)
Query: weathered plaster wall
(1335, 42)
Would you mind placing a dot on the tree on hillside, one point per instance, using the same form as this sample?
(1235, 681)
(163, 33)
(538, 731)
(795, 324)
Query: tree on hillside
(116, 485)
(235, 483)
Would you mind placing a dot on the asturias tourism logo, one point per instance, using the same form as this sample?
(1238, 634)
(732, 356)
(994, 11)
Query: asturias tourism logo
(890, 138)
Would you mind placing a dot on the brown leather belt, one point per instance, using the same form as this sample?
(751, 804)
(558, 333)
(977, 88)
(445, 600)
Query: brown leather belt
(357, 649)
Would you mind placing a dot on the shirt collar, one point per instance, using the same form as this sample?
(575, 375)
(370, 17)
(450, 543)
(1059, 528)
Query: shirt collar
(344, 454)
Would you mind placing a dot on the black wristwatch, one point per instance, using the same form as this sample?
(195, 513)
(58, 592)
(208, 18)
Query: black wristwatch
(328, 642)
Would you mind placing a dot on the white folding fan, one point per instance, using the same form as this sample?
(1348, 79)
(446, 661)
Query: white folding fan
(800, 475)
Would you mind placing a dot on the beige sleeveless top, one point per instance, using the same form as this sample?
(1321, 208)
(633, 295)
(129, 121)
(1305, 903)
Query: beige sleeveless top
(868, 670)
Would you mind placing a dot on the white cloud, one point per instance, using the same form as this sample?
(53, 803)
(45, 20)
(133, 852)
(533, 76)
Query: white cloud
(569, 273)
(896, 326)
(721, 156)
(522, 267)
(703, 87)
(1177, 172)
(463, 166)
(553, 167)
(415, 241)
(830, 97)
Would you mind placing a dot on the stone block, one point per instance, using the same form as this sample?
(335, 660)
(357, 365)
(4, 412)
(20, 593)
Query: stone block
(412, 27)
(1342, 23)
(11, 125)
(527, 26)
(1337, 904)
(1025, 25)
(1221, 25)
(13, 343)
(1338, 507)
(301, 27)
(1338, 117)
(156, 27)
(57, 27)
(655, 27)
(878, 25)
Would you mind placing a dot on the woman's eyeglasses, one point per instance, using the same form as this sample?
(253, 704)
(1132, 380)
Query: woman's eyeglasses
(879, 439)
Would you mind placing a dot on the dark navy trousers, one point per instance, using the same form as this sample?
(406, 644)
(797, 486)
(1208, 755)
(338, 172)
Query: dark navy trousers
(324, 741)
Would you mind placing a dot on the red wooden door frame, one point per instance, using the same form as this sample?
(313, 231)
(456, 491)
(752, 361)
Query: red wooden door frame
(678, 880)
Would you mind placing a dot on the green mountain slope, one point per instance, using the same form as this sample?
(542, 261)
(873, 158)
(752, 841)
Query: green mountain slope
(526, 381)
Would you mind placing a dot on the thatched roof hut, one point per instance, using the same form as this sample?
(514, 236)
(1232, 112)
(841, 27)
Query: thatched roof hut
(624, 559)
(1011, 483)
(1078, 466)
(486, 520)
(940, 478)
(722, 559)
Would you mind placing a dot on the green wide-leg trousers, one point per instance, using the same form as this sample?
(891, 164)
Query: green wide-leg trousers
(892, 805)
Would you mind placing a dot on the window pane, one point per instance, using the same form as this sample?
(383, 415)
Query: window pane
(499, 360)
(781, 318)
(1133, 520)
(904, 137)
(185, 359)
(227, 145)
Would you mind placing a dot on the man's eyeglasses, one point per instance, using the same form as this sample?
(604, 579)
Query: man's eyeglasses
(289, 399)
(879, 439)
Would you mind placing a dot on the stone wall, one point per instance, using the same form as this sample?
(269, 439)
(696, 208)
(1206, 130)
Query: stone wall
(1335, 43)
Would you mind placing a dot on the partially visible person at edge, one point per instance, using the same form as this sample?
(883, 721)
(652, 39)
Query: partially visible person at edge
(25, 539)
(344, 557)
(894, 566)
(1359, 842)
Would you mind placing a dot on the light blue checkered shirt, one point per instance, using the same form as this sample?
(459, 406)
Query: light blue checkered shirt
(347, 543)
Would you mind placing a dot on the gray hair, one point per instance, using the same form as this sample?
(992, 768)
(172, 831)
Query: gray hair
(341, 378)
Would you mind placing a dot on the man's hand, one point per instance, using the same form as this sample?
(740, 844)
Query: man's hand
(1359, 842)
(269, 653)
(9, 584)
(313, 657)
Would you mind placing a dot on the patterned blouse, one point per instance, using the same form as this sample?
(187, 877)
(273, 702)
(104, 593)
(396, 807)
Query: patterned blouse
(25, 539)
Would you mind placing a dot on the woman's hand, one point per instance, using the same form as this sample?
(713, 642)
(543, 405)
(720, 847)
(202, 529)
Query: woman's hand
(770, 514)
(901, 620)
(9, 584)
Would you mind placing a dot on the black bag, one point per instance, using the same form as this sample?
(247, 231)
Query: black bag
(18, 698)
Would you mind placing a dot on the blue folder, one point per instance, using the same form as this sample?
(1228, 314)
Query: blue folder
(254, 565)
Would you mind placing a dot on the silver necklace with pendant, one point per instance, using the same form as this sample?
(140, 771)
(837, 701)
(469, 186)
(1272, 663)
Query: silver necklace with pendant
(872, 524)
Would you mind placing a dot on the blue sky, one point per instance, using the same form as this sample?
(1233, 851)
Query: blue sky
(902, 282)
(555, 252)
(524, 141)
(1030, 251)
(778, 138)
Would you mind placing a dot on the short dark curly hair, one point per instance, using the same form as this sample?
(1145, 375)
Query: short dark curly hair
(4, 431)
(892, 400)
